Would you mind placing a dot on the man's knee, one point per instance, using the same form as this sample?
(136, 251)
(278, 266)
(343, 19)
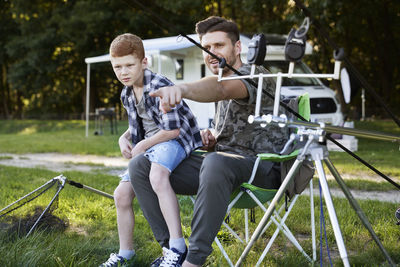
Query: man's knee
(139, 168)
(214, 169)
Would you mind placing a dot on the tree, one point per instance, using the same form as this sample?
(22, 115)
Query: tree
(43, 71)
(7, 32)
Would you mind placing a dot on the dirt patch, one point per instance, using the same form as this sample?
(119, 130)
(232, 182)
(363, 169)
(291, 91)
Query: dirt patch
(116, 165)
(64, 162)
(392, 196)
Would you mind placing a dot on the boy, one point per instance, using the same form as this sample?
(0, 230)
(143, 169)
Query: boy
(166, 139)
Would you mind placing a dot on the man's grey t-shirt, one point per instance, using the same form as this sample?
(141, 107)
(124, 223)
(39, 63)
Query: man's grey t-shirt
(233, 132)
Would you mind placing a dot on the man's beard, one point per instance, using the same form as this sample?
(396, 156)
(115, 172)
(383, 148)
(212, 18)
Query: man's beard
(230, 61)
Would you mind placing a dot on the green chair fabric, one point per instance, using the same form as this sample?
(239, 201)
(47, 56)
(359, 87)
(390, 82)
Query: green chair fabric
(264, 195)
(246, 202)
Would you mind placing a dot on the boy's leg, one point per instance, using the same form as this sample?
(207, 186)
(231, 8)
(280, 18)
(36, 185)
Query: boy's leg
(159, 179)
(184, 180)
(123, 197)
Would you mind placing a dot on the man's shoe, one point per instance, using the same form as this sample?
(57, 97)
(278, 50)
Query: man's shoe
(115, 260)
(173, 258)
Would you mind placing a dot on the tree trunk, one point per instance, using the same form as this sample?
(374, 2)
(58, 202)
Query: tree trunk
(5, 92)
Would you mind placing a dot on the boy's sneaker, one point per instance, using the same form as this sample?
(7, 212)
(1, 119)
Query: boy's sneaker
(173, 258)
(115, 260)
(157, 262)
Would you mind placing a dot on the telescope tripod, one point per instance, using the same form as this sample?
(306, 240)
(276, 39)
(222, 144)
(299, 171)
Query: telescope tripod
(318, 153)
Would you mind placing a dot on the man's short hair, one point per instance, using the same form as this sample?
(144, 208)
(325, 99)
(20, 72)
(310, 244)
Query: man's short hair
(214, 23)
(127, 44)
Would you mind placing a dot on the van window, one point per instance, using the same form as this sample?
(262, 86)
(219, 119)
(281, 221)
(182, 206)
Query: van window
(179, 69)
(275, 66)
(322, 105)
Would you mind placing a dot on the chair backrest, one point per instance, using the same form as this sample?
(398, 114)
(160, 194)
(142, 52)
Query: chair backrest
(306, 171)
(304, 106)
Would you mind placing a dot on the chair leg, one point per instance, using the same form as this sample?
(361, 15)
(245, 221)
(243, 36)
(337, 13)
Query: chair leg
(221, 248)
(246, 224)
(270, 221)
(232, 232)
(281, 227)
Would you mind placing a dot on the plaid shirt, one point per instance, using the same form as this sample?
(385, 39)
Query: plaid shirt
(179, 117)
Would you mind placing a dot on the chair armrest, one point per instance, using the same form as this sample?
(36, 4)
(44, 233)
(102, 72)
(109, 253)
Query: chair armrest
(278, 158)
(199, 152)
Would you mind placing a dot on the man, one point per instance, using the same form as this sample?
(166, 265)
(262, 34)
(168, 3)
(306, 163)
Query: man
(214, 177)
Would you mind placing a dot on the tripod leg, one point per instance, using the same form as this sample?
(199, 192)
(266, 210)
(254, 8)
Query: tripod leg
(314, 245)
(357, 208)
(88, 188)
(292, 172)
(332, 213)
(49, 184)
(46, 209)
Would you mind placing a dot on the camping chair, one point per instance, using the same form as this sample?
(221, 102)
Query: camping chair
(248, 196)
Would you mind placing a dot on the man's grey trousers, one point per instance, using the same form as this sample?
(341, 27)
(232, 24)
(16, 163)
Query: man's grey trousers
(212, 178)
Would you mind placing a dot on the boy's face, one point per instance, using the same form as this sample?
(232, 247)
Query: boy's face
(219, 44)
(129, 69)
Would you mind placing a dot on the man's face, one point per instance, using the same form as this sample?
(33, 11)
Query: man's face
(129, 69)
(219, 44)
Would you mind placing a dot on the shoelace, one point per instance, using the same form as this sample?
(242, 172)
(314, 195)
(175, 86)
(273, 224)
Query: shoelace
(112, 260)
(170, 258)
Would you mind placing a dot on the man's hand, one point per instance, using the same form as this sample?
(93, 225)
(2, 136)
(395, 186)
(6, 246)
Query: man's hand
(125, 146)
(208, 139)
(169, 97)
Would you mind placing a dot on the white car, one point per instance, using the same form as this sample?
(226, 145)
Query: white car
(324, 105)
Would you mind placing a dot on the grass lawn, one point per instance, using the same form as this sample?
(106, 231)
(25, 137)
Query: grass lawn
(33, 136)
(91, 233)
(383, 155)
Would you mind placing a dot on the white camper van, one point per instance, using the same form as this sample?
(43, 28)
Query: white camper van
(181, 61)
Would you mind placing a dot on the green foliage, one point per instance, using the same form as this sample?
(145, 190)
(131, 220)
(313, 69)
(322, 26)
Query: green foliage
(43, 71)
(46, 72)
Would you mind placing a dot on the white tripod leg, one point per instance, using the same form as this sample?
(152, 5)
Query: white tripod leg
(332, 213)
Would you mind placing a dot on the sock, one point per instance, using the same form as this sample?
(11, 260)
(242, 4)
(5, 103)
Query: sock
(126, 253)
(178, 243)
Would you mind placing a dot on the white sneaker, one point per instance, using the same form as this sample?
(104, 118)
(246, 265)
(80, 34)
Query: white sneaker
(173, 258)
(114, 260)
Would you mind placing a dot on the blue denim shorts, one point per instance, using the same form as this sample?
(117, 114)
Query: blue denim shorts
(125, 176)
(168, 154)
